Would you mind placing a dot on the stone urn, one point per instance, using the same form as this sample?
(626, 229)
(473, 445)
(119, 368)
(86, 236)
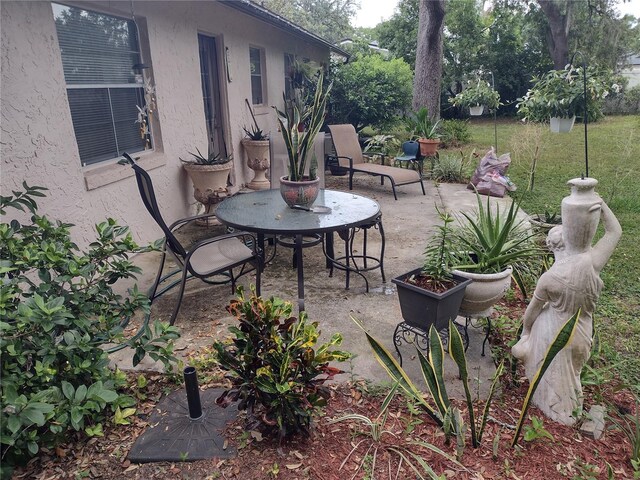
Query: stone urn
(209, 182)
(302, 192)
(485, 290)
(258, 160)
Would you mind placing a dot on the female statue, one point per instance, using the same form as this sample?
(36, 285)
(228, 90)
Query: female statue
(572, 283)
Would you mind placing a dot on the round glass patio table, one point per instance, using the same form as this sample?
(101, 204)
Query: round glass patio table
(264, 212)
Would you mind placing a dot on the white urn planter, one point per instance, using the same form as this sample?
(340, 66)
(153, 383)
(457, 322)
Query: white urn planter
(561, 124)
(209, 182)
(259, 161)
(485, 290)
(477, 110)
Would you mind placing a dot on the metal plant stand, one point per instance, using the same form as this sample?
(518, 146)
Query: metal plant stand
(420, 338)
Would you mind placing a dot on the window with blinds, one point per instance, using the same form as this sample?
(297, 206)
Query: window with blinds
(98, 55)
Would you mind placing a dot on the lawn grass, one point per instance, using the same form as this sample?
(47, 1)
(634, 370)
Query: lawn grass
(614, 160)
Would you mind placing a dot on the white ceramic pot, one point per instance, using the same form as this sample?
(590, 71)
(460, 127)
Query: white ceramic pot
(485, 290)
(561, 124)
(477, 110)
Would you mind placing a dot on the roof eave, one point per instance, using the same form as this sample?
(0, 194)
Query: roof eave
(261, 13)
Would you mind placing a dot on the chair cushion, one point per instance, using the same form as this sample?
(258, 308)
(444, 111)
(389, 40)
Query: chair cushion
(219, 256)
(400, 176)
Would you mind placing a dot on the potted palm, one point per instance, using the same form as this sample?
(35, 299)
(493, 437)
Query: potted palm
(256, 146)
(491, 248)
(476, 97)
(299, 125)
(422, 127)
(209, 176)
(431, 295)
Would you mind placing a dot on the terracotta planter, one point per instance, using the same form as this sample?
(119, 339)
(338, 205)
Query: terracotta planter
(428, 146)
(485, 290)
(422, 308)
(476, 111)
(561, 124)
(299, 193)
(208, 180)
(259, 161)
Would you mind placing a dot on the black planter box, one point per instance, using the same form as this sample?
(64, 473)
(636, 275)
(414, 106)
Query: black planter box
(422, 308)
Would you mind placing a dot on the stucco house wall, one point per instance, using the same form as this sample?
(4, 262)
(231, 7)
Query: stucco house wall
(37, 138)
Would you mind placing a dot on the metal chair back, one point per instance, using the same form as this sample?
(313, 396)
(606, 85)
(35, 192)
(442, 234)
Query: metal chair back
(410, 148)
(145, 187)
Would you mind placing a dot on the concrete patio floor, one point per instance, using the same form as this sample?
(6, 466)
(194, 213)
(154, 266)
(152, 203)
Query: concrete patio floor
(408, 223)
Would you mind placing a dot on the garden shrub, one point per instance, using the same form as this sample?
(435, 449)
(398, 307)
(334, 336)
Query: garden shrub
(58, 312)
(370, 90)
(271, 362)
(450, 168)
(454, 133)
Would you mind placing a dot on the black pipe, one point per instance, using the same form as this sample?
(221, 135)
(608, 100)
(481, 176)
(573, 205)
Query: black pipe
(193, 393)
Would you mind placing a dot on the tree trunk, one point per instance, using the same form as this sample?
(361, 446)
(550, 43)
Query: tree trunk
(426, 84)
(558, 30)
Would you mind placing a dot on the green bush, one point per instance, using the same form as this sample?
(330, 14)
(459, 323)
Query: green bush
(272, 364)
(370, 90)
(454, 133)
(58, 311)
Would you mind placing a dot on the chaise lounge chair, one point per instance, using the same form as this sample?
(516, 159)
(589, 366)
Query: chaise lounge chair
(350, 156)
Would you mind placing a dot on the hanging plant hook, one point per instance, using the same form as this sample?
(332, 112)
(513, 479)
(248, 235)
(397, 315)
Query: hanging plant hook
(585, 114)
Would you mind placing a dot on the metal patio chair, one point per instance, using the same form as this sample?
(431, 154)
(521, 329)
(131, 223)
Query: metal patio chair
(349, 155)
(211, 260)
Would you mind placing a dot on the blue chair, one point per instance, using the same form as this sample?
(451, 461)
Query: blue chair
(410, 156)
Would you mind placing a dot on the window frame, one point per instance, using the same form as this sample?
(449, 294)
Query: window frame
(142, 54)
(262, 76)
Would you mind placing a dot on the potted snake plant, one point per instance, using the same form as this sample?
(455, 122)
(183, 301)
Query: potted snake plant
(299, 124)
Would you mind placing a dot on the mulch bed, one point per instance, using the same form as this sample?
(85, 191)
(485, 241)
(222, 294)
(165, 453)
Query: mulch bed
(345, 449)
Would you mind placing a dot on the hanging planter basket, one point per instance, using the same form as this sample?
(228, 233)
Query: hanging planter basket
(561, 124)
(476, 111)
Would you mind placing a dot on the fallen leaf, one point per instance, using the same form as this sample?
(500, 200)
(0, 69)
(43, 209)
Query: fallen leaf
(294, 466)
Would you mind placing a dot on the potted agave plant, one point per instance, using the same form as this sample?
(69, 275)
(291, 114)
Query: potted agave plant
(492, 246)
(209, 176)
(432, 294)
(422, 127)
(476, 97)
(299, 125)
(256, 146)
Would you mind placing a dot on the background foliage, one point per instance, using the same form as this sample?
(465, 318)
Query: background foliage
(369, 90)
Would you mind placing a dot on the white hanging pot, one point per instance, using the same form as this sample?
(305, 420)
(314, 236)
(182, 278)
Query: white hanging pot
(561, 124)
(477, 110)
